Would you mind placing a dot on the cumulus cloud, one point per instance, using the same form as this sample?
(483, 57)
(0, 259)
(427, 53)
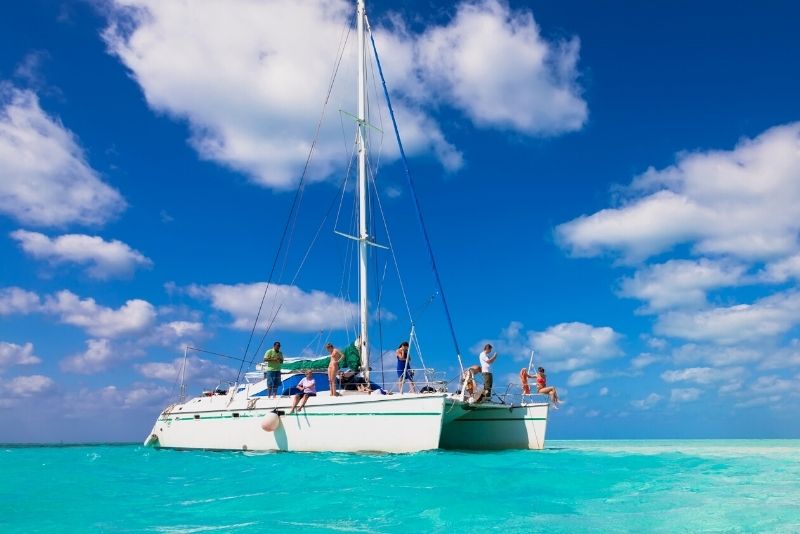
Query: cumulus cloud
(88, 402)
(788, 356)
(765, 318)
(13, 354)
(97, 357)
(494, 65)
(198, 370)
(782, 270)
(643, 360)
(565, 347)
(680, 283)
(569, 346)
(582, 378)
(264, 54)
(684, 394)
(14, 300)
(103, 259)
(134, 316)
(300, 311)
(45, 179)
(763, 390)
(27, 386)
(741, 203)
(648, 402)
(703, 375)
(717, 356)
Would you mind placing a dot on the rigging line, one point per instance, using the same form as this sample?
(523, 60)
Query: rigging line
(295, 202)
(215, 353)
(380, 117)
(416, 200)
(380, 323)
(297, 274)
(344, 185)
(394, 257)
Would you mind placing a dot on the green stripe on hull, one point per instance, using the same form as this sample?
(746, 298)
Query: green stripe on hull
(500, 419)
(310, 414)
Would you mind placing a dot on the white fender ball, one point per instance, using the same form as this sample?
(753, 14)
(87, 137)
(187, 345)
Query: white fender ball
(270, 422)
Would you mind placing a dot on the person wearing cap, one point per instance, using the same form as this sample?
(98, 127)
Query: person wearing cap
(273, 358)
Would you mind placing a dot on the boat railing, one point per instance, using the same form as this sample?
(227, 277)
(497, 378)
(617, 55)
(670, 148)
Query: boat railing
(512, 395)
(421, 380)
(515, 396)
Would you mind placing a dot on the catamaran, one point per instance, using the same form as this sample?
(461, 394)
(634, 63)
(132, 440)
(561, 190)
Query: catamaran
(362, 415)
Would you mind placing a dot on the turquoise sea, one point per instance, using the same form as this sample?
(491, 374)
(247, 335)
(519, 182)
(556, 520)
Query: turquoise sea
(573, 486)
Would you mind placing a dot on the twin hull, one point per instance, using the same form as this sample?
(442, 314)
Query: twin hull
(350, 423)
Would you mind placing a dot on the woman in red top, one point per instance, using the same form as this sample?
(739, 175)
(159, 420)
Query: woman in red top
(542, 387)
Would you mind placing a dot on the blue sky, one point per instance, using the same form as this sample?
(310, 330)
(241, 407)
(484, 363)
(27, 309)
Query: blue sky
(614, 185)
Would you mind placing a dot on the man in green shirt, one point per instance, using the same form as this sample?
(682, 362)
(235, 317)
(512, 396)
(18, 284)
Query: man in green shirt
(273, 358)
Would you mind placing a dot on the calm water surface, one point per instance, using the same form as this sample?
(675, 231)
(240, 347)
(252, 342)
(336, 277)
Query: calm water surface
(573, 486)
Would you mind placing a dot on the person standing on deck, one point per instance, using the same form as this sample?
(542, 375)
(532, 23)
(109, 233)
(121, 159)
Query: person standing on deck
(404, 372)
(274, 359)
(486, 371)
(333, 367)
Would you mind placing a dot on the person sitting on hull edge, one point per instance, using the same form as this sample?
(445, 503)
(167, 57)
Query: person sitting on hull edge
(306, 388)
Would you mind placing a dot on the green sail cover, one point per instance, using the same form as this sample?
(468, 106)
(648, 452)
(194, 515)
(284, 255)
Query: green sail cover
(351, 360)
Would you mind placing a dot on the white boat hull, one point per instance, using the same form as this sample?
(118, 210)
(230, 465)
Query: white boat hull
(350, 423)
(495, 426)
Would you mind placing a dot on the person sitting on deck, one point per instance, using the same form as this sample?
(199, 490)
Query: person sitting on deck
(306, 388)
(543, 389)
(404, 372)
(333, 367)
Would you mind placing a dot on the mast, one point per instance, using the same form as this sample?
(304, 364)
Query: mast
(362, 191)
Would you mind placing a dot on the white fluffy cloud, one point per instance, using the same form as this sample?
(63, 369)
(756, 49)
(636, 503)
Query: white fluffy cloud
(87, 402)
(27, 386)
(582, 378)
(703, 375)
(14, 300)
(741, 203)
(13, 354)
(648, 402)
(250, 77)
(782, 270)
(766, 317)
(103, 259)
(300, 311)
(684, 394)
(679, 283)
(494, 64)
(198, 371)
(97, 357)
(563, 347)
(44, 176)
(569, 346)
(132, 317)
(643, 360)
(715, 355)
